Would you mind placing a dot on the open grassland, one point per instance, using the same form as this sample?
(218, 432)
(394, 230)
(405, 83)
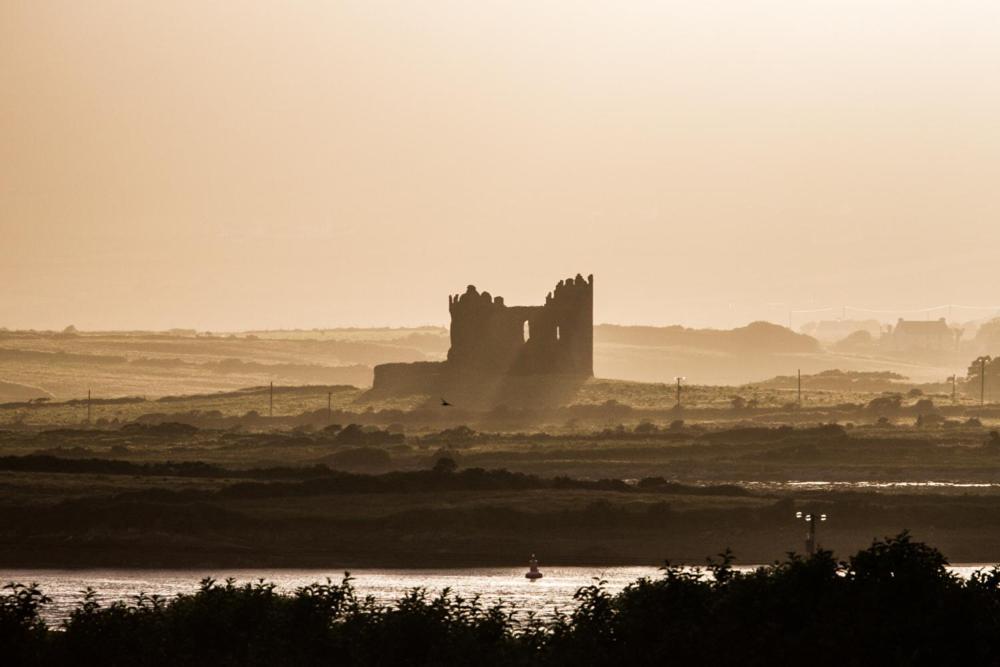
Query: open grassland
(117, 496)
(114, 364)
(690, 454)
(227, 522)
(617, 473)
(287, 402)
(595, 403)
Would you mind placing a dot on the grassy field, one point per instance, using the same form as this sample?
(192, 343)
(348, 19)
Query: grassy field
(597, 402)
(680, 493)
(114, 364)
(212, 478)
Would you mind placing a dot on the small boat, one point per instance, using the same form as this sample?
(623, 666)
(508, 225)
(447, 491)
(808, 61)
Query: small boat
(533, 572)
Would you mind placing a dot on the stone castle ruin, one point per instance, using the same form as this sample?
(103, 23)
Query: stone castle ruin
(494, 345)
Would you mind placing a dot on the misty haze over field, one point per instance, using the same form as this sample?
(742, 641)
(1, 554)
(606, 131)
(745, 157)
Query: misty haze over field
(498, 306)
(64, 365)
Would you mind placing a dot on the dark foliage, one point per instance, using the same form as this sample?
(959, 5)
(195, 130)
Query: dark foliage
(166, 429)
(361, 458)
(48, 463)
(781, 433)
(885, 405)
(894, 603)
(321, 479)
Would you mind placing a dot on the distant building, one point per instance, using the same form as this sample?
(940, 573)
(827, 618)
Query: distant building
(923, 335)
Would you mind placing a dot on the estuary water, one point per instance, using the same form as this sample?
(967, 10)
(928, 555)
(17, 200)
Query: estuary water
(543, 597)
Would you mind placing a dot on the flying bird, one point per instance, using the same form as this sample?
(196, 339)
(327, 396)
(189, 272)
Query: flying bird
(445, 403)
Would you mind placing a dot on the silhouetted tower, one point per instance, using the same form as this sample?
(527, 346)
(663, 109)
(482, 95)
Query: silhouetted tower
(488, 336)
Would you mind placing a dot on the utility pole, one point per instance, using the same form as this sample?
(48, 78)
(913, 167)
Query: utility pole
(678, 378)
(954, 390)
(88, 406)
(270, 408)
(982, 382)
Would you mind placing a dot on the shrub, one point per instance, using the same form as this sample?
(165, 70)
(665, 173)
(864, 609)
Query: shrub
(885, 405)
(645, 427)
(893, 603)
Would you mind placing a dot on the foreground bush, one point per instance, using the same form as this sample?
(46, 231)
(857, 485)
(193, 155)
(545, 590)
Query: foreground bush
(894, 603)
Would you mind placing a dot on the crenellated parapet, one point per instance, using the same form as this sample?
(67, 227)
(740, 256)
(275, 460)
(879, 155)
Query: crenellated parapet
(572, 289)
(473, 300)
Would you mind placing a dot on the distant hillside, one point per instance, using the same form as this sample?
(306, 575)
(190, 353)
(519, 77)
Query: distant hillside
(706, 356)
(760, 337)
(65, 365)
(11, 391)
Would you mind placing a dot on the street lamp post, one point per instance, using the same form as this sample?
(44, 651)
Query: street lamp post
(811, 519)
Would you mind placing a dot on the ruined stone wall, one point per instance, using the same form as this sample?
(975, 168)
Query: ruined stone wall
(491, 340)
(556, 338)
(486, 335)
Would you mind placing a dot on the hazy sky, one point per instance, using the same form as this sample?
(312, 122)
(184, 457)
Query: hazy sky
(228, 165)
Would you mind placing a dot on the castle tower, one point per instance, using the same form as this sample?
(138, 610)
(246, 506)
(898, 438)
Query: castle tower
(491, 341)
(487, 336)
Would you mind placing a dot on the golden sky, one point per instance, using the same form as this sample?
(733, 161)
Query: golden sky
(230, 165)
